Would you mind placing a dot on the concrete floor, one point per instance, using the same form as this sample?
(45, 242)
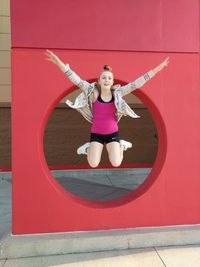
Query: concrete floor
(188, 256)
(5, 206)
(101, 184)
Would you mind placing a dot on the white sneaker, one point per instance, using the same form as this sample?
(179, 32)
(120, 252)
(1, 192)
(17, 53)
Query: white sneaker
(83, 149)
(125, 144)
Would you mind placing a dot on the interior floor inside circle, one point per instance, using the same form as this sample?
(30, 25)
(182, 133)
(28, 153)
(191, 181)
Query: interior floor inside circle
(101, 184)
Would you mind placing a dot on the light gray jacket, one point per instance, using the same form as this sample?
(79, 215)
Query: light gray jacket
(83, 102)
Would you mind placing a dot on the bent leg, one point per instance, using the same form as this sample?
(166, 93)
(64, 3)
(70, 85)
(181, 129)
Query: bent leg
(115, 153)
(94, 153)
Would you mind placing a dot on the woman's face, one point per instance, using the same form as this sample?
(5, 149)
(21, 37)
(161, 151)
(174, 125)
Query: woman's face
(106, 80)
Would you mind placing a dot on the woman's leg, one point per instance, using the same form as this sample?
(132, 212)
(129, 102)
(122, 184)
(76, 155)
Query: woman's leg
(115, 153)
(94, 153)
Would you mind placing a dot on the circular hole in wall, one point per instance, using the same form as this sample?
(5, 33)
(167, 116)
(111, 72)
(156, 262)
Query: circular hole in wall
(66, 130)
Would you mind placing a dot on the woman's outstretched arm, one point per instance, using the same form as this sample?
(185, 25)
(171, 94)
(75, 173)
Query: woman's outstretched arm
(74, 78)
(127, 89)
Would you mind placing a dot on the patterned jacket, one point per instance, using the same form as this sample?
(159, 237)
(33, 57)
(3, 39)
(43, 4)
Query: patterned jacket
(83, 102)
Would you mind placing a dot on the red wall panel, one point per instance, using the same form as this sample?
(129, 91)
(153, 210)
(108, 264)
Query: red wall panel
(169, 196)
(106, 25)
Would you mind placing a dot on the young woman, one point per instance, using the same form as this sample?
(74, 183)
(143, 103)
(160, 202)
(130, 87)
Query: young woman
(102, 104)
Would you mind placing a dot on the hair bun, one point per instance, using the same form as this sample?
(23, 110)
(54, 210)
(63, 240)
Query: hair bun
(108, 68)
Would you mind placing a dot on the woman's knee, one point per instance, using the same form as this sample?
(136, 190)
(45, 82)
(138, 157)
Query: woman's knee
(93, 163)
(116, 162)
(94, 154)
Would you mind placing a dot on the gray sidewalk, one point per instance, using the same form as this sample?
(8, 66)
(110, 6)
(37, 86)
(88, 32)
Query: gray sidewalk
(187, 256)
(170, 256)
(5, 205)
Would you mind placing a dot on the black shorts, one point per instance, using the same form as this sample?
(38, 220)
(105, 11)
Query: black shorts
(104, 138)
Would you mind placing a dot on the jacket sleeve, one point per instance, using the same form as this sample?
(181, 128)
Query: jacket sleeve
(128, 88)
(75, 79)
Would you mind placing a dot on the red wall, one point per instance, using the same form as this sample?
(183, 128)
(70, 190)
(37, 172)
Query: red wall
(129, 39)
(156, 25)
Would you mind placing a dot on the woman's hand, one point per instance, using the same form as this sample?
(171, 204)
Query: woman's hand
(55, 59)
(164, 63)
(161, 66)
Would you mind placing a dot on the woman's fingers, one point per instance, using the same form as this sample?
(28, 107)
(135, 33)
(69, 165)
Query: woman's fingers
(55, 59)
(48, 52)
(51, 56)
(50, 59)
(166, 61)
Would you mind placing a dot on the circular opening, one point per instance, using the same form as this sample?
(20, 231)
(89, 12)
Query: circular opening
(66, 130)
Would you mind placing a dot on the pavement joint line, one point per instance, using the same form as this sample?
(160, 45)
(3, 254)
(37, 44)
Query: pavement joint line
(109, 179)
(159, 256)
(74, 253)
(4, 263)
(111, 193)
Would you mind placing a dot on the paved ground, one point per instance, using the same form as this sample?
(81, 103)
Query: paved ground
(149, 257)
(184, 256)
(102, 184)
(5, 206)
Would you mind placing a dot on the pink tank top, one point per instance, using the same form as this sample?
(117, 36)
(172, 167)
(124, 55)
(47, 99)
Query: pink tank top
(104, 119)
